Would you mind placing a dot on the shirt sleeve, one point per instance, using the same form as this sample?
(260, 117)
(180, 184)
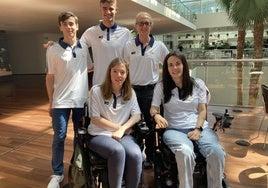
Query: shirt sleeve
(49, 60)
(158, 95)
(202, 91)
(86, 37)
(164, 52)
(135, 107)
(94, 108)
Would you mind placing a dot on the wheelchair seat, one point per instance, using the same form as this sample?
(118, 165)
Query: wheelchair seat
(165, 169)
(97, 165)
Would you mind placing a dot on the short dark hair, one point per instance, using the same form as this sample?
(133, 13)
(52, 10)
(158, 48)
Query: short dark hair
(107, 1)
(65, 15)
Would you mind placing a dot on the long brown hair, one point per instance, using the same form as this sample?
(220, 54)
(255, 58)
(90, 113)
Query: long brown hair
(187, 81)
(106, 86)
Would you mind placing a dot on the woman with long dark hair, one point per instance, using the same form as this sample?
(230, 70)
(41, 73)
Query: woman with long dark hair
(184, 101)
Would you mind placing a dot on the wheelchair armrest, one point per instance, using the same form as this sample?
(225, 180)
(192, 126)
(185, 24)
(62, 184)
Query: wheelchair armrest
(141, 127)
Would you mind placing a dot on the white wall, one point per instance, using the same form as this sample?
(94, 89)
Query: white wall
(218, 19)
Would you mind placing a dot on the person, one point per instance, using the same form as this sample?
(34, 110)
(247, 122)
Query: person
(106, 39)
(67, 87)
(184, 100)
(144, 54)
(113, 111)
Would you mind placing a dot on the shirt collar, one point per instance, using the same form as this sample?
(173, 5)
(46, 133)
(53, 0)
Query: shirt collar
(64, 45)
(151, 42)
(103, 27)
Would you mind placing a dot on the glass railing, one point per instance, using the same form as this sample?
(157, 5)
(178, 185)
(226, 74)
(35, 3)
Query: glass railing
(220, 53)
(230, 85)
(189, 9)
(180, 8)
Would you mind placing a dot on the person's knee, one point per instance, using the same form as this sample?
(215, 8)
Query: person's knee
(117, 152)
(59, 139)
(184, 152)
(217, 153)
(136, 156)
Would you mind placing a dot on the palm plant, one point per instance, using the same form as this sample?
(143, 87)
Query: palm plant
(244, 13)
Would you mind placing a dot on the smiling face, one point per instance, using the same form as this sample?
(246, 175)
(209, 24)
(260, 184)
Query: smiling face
(118, 76)
(143, 23)
(175, 67)
(108, 11)
(69, 27)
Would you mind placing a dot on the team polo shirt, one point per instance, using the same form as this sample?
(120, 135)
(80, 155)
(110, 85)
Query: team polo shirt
(106, 44)
(181, 114)
(144, 61)
(114, 109)
(69, 67)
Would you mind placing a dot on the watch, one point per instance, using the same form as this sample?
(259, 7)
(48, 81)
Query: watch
(200, 128)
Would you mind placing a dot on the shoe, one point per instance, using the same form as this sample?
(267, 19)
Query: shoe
(147, 164)
(55, 181)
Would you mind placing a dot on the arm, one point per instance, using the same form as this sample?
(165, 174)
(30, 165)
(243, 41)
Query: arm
(202, 113)
(160, 121)
(196, 133)
(50, 89)
(104, 123)
(126, 126)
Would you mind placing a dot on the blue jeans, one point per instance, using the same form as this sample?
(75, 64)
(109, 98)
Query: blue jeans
(209, 146)
(124, 157)
(60, 118)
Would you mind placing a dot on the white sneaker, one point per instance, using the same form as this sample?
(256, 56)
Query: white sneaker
(55, 181)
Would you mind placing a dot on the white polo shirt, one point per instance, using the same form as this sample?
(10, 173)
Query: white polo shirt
(117, 111)
(106, 45)
(70, 68)
(181, 114)
(144, 62)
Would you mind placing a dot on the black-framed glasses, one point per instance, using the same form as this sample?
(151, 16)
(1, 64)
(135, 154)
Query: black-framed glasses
(143, 23)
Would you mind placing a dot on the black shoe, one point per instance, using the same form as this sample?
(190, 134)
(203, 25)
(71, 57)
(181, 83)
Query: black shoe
(148, 164)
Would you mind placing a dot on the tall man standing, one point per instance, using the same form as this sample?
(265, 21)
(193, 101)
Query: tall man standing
(106, 39)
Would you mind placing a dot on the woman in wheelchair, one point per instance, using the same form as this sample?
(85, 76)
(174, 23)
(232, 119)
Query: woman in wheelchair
(113, 109)
(184, 100)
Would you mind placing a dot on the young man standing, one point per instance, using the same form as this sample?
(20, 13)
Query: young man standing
(67, 87)
(106, 39)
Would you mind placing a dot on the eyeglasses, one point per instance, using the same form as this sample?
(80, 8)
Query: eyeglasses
(143, 23)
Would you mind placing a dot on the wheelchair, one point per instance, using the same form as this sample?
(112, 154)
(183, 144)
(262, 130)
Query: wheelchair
(165, 166)
(95, 166)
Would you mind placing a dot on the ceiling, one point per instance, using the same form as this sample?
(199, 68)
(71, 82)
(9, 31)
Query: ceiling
(41, 15)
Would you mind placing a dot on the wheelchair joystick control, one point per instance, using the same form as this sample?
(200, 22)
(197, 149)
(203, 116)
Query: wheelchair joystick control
(143, 127)
(222, 120)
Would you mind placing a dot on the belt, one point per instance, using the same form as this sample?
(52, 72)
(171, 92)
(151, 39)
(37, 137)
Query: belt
(146, 87)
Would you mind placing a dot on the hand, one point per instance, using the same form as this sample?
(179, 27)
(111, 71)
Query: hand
(118, 134)
(160, 122)
(194, 135)
(49, 43)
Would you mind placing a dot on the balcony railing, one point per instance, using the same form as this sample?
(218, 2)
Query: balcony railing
(222, 75)
(180, 8)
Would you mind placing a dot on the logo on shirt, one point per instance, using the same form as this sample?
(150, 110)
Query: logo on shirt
(106, 102)
(133, 53)
(101, 37)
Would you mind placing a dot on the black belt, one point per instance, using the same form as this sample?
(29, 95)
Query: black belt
(146, 87)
